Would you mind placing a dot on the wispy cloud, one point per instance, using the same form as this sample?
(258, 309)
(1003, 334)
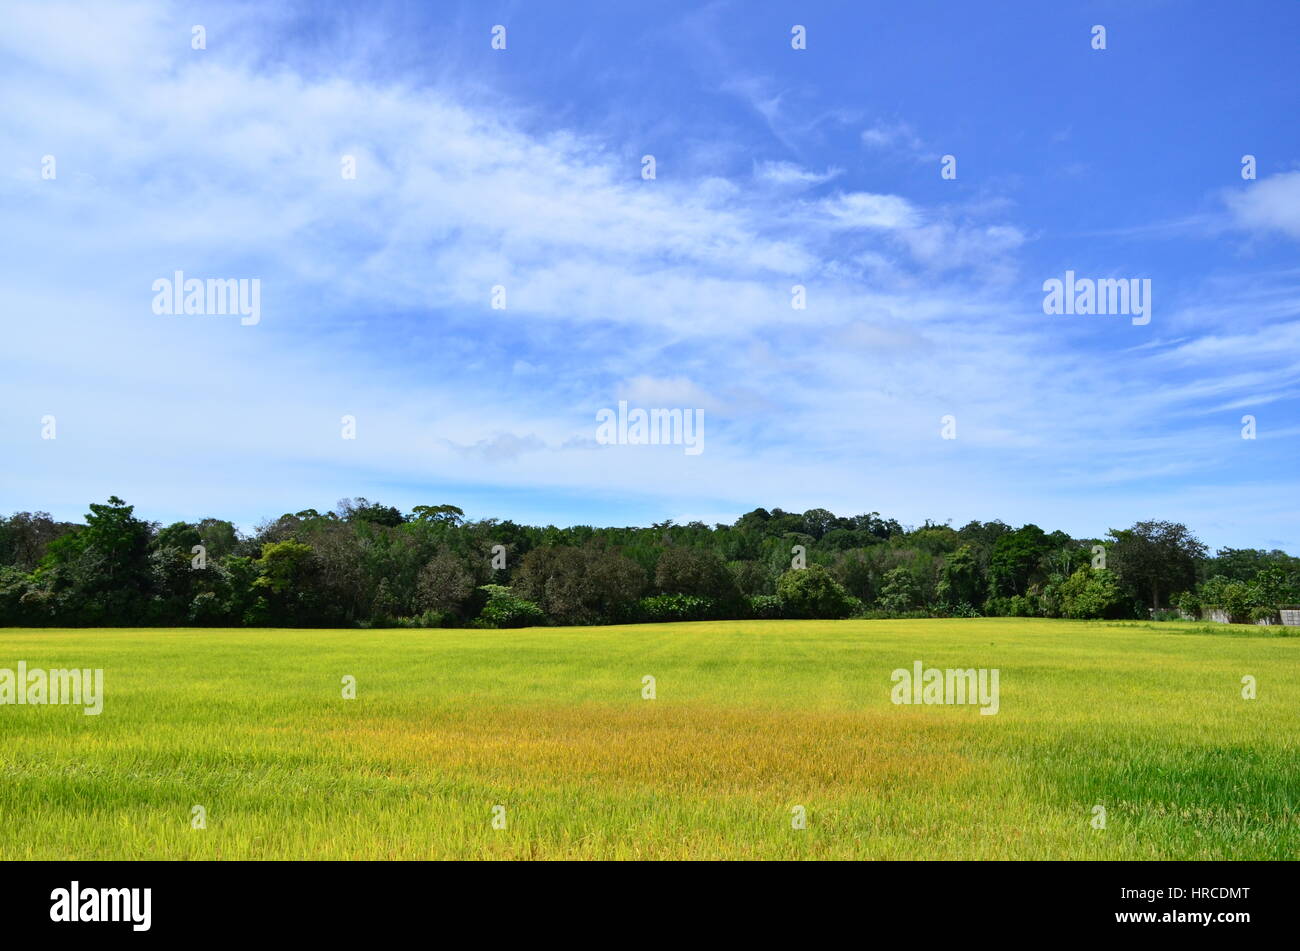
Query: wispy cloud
(897, 138)
(377, 303)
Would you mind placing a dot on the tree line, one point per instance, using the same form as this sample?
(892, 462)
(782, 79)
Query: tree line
(367, 564)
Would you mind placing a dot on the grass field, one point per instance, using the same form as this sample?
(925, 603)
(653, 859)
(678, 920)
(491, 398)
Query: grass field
(751, 719)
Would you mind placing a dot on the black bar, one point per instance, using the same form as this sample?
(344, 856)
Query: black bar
(985, 900)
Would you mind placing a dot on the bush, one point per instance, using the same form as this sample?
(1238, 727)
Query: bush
(812, 593)
(1016, 605)
(205, 609)
(425, 619)
(1263, 615)
(1228, 595)
(1021, 605)
(504, 608)
(997, 607)
(1091, 594)
(1188, 604)
(764, 607)
(676, 607)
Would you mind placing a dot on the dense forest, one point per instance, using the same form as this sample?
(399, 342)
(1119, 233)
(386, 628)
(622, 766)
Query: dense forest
(370, 565)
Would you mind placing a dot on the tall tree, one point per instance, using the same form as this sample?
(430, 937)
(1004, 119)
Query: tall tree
(1155, 558)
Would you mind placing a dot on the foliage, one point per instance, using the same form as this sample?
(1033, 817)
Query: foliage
(1091, 593)
(504, 608)
(813, 593)
(444, 585)
(1015, 559)
(581, 585)
(764, 607)
(1153, 558)
(900, 592)
(697, 572)
(676, 607)
(367, 564)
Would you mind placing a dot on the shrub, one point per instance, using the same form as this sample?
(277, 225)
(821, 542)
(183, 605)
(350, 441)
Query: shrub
(425, 619)
(504, 608)
(1228, 595)
(1188, 604)
(997, 607)
(812, 593)
(764, 607)
(1091, 594)
(1017, 605)
(37, 606)
(205, 609)
(676, 607)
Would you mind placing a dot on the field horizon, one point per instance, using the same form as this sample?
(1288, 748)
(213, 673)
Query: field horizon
(750, 720)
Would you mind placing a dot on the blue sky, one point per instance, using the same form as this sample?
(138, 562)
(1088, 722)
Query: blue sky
(774, 167)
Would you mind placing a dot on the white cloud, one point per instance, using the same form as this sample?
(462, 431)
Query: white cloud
(787, 174)
(865, 210)
(375, 302)
(898, 137)
(1270, 204)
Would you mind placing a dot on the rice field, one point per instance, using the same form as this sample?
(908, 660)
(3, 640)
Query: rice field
(541, 744)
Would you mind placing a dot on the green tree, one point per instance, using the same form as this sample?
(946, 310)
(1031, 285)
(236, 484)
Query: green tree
(959, 579)
(363, 510)
(1155, 558)
(25, 536)
(447, 514)
(581, 585)
(1091, 594)
(218, 536)
(445, 584)
(813, 593)
(1014, 562)
(283, 565)
(102, 573)
(179, 535)
(285, 582)
(899, 593)
(694, 571)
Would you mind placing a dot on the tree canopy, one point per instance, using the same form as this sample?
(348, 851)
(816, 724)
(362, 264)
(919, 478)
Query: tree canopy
(368, 563)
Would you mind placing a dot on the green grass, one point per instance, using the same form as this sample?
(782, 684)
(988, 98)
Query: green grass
(751, 719)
